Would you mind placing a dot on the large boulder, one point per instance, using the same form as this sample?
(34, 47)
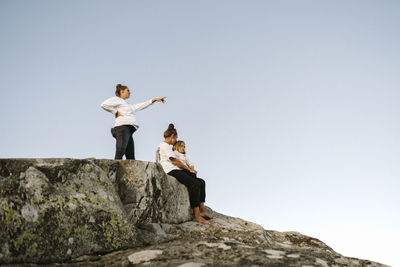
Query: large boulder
(151, 196)
(57, 209)
(118, 213)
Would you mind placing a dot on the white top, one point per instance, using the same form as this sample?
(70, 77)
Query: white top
(183, 158)
(165, 152)
(115, 103)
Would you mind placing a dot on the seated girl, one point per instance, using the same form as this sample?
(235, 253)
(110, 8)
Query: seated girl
(179, 150)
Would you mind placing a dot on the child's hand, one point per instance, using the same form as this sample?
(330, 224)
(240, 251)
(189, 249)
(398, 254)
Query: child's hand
(118, 114)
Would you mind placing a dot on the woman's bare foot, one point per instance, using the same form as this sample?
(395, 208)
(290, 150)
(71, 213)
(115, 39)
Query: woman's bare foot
(203, 212)
(200, 219)
(206, 216)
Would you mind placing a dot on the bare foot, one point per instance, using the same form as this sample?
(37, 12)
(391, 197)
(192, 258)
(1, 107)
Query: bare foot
(200, 219)
(206, 216)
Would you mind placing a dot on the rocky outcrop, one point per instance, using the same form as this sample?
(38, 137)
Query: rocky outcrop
(117, 213)
(227, 241)
(59, 209)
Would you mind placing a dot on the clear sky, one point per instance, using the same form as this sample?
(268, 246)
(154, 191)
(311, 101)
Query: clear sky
(289, 109)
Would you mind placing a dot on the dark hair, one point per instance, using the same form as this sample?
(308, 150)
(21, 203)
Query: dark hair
(170, 131)
(120, 88)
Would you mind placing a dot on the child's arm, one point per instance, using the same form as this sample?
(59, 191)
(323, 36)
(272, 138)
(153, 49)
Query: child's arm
(179, 164)
(189, 163)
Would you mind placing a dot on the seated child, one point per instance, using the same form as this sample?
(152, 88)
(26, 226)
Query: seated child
(179, 150)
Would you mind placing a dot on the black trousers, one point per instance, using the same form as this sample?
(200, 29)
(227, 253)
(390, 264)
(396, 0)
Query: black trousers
(124, 141)
(196, 186)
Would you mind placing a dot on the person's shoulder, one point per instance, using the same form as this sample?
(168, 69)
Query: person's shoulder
(115, 99)
(163, 145)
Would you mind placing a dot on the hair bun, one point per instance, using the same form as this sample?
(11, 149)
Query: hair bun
(170, 131)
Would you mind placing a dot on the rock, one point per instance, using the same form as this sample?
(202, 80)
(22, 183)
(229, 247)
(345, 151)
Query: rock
(45, 203)
(191, 264)
(48, 203)
(149, 195)
(152, 233)
(229, 241)
(144, 256)
(117, 213)
(29, 213)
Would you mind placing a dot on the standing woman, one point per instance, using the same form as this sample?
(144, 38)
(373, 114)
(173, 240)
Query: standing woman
(174, 167)
(125, 120)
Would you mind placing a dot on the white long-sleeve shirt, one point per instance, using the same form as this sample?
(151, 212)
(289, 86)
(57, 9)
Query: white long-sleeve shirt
(114, 104)
(183, 158)
(165, 152)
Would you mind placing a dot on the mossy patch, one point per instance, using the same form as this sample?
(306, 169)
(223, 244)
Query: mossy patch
(77, 212)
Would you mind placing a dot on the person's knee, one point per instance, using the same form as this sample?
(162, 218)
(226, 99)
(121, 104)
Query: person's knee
(122, 139)
(195, 185)
(201, 181)
(121, 147)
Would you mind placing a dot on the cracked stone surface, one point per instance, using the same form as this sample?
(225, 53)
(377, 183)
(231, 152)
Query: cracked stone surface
(68, 212)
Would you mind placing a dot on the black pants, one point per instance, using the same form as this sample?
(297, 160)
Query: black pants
(124, 145)
(196, 186)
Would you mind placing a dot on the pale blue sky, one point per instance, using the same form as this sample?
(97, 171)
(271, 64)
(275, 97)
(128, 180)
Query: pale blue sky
(289, 109)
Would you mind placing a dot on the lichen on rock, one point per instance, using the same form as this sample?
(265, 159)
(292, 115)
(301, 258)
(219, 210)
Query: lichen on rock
(45, 203)
(130, 213)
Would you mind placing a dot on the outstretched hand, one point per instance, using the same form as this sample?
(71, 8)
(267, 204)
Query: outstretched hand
(161, 99)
